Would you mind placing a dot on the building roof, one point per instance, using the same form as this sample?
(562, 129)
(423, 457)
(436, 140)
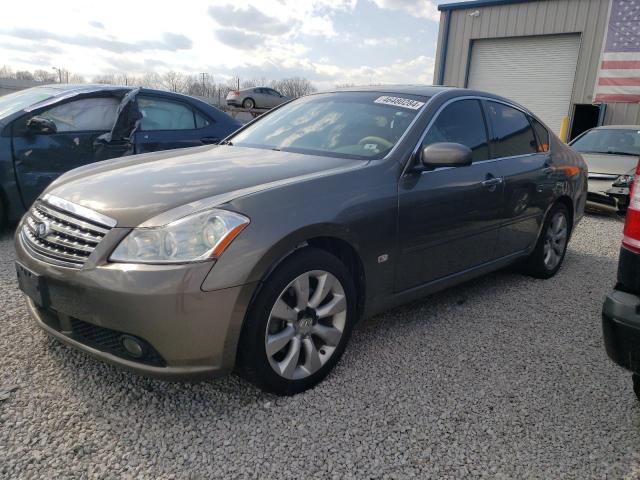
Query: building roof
(478, 3)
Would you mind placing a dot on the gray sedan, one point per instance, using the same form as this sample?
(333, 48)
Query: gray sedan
(261, 253)
(256, 97)
(611, 154)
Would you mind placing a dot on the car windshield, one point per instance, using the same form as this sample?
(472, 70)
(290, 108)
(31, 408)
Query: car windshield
(14, 102)
(616, 141)
(363, 125)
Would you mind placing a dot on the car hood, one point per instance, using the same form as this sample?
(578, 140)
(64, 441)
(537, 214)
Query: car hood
(612, 164)
(154, 189)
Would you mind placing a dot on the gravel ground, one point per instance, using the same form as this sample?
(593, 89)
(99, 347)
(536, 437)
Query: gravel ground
(503, 377)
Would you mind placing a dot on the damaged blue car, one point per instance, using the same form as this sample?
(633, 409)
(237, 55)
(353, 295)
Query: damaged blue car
(46, 131)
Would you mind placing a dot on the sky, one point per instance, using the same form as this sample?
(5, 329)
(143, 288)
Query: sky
(327, 41)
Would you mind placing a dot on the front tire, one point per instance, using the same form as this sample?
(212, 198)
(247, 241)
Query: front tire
(299, 324)
(636, 385)
(547, 257)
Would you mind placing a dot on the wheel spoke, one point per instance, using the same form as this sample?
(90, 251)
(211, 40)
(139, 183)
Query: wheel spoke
(325, 284)
(278, 341)
(312, 358)
(283, 311)
(337, 304)
(290, 362)
(329, 335)
(301, 287)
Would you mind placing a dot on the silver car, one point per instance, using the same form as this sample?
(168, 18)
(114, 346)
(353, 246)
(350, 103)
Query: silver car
(611, 154)
(256, 97)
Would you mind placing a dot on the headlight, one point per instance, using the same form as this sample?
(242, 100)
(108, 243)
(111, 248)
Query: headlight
(623, 181)
(191, 239)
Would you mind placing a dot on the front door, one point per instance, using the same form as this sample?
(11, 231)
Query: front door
(448, 217)
(39, 158)
(168, 124)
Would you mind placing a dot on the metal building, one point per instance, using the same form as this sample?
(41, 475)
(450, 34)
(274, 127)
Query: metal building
(543, 54)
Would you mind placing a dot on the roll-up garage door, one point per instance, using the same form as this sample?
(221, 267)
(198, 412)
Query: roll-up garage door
(537, 72)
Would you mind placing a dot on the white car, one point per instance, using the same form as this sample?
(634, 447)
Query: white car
(255, 97)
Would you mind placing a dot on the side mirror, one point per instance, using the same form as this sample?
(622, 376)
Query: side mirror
(446, 154)
(41, 125)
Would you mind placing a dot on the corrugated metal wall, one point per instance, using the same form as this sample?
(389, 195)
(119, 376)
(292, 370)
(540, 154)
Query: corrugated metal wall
(543, 17)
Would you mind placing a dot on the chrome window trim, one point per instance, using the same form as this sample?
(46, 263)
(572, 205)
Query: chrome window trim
(79, 210)
(469, 97)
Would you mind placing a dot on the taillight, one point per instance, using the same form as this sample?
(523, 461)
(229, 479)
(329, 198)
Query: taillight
(235, 93)
(631, 237)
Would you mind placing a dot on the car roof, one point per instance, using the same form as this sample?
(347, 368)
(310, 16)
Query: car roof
(618, 127)
(423, 90)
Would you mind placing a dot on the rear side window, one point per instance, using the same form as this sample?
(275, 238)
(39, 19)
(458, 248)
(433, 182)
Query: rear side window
(160, 114)
(543, 135)
(86, 114)
(201, 120)
(512, 131)
(461, 122)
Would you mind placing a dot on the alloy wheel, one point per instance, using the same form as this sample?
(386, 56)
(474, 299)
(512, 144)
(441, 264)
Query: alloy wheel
(306, 324)
(555, 240)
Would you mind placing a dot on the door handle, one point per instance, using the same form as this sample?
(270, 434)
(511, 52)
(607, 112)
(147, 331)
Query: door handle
(208, 140)
(492, 182)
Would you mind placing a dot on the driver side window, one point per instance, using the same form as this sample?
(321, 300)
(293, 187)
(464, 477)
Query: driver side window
(87, 114)
(461, 122)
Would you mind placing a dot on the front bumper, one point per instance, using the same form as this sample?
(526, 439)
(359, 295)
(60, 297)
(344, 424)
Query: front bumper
(190, 333)
(603, 193)
(621, 329)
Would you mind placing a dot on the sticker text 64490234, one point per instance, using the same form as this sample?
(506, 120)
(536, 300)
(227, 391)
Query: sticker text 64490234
(399, 102)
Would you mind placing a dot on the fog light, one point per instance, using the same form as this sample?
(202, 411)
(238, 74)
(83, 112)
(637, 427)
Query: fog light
(132, 346)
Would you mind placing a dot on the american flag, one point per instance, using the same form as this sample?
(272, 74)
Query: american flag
(619, 75)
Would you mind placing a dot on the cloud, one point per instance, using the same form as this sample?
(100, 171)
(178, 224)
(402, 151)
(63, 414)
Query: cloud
(238, 38)
(170, 41)
(249, 19)
(31, 47)
(385, 41)
(97, 24)
(417, 8)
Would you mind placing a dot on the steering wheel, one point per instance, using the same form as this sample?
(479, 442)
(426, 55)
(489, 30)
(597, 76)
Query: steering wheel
(381, 142)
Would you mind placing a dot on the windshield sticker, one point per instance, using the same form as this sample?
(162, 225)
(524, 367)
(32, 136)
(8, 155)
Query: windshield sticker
(399, 102)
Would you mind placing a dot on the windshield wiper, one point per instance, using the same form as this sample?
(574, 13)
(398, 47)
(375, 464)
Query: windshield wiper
(226, 142)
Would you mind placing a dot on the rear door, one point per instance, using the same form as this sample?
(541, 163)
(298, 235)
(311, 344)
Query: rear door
(168, 123)
(41, 157)
(526, 166)
(449, 217)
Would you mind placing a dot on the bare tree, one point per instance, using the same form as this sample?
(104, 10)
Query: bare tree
(6, 72)
(150, 80)
(107, 79)
(24, 75)
(174, 81)
(294, 87)
(44, 76)
(76, 78)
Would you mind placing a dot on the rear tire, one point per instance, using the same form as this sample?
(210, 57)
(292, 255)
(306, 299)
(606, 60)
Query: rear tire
(546, 259)
(3, 216)
(299, 323)
(636, 385)
(248, 103)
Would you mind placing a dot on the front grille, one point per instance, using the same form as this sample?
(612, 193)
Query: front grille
(61, 237)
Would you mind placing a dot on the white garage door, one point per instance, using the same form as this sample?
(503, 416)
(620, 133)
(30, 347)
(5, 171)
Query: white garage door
(536, 72)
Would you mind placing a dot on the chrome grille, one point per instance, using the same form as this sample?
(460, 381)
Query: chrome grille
(59, 235)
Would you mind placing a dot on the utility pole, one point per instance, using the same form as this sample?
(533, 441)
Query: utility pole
(204, 76)
(59, 70)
